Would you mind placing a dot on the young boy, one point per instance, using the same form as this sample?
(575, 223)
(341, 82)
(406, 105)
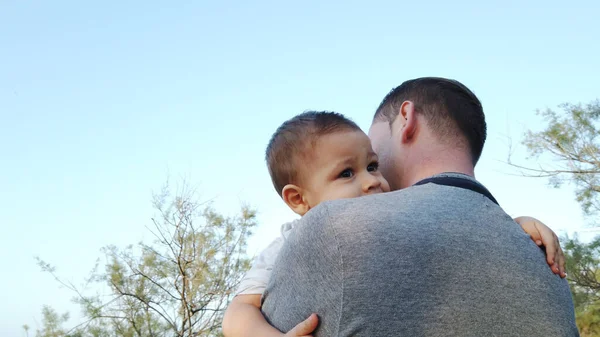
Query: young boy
(315, 157)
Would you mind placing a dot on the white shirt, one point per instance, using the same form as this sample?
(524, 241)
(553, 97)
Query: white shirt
(256, 279)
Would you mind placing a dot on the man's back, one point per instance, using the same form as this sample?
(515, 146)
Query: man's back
(429, 260)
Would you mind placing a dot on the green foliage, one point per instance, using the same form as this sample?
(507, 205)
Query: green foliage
(178, 285)
(26, 329)
(571, 138)
(588, 320)
(583, 270)
(52, 323)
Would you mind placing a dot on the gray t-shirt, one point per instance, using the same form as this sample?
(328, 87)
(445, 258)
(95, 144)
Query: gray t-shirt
(428, 260)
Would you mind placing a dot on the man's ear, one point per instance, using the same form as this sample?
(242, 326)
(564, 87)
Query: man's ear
(407, 118)
(294, 198)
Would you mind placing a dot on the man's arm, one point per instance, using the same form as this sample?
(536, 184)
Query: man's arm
(243, 318)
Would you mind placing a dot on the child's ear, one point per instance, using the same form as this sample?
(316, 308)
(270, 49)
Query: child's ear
(294, 198)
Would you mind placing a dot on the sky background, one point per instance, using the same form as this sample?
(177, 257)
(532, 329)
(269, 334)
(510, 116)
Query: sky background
(100, 103)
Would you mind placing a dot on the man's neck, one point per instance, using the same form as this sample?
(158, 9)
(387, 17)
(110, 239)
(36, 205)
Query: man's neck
(432, 166)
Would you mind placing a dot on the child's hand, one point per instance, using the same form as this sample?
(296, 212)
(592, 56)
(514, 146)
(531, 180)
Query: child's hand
(303, 329)
(544, 236)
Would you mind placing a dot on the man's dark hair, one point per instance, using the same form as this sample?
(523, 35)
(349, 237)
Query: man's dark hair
(289, 145)
(449, 107)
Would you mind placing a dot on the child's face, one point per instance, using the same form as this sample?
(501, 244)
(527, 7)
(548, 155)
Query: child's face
(342, 165)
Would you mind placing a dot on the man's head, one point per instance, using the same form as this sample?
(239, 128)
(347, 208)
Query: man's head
(320, 155)
(426, 126)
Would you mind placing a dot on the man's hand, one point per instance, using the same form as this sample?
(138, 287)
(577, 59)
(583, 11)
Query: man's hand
(305, 328)
(542, 235)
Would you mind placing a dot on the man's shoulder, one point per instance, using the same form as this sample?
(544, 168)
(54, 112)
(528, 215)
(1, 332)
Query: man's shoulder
(368, 202)
(407, 206)
(399, 201)
(356, 211)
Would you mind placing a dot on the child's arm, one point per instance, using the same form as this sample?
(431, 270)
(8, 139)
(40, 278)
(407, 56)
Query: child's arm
(544, 236)
(244, 318)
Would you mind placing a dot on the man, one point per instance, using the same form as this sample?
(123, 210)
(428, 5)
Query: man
(437, 257)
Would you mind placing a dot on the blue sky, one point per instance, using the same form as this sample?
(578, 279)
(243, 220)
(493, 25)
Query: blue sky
(101, 103)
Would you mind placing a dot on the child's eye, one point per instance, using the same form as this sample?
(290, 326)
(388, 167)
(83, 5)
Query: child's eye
(347, 173)
(374, 166)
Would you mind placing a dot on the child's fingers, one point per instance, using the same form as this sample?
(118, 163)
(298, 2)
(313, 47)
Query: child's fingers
(536, 237)
(549, 241)
(562, 262)
(555, 256)
(304, 328)
(550, 253)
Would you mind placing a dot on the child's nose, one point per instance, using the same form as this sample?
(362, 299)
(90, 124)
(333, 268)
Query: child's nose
(371, 183)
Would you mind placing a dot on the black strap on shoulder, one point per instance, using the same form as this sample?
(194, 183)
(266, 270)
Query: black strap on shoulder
(460, 183)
